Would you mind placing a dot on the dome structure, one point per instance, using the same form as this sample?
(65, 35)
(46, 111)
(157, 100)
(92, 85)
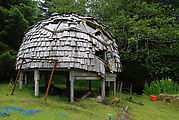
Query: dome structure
(77, 43)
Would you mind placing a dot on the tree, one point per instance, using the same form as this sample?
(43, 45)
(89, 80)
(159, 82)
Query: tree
(146, 33)
(16, 17)
(65, 6)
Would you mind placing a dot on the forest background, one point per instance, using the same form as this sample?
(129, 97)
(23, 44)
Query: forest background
(146, 31)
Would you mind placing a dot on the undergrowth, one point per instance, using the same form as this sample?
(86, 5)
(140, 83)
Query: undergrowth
(165, 86)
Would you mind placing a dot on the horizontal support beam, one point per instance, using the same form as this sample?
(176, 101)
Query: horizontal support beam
(53, 60)
(111, 75)
(110, 79)
(87, 78)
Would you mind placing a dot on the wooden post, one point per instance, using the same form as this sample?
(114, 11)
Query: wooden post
(114, 88)
(131, 89)
(50, 80)
(103, 89)
(118, 85)
(21, 80)
(120, 88)
(71, 87)
(90, 82)
(17, 77)
(36, 79)
(109, 84)
(25, 78)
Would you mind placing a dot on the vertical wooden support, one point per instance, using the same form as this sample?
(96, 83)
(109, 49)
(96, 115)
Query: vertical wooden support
(36, 79)
(50, 80)
(131, 89)
(120, 88)
(17, 77)
(115, 88)
(25, 78)
(71, 87)
(90, 82)
(103, 89)
(118, 85)
(21, 80)
(109, 84)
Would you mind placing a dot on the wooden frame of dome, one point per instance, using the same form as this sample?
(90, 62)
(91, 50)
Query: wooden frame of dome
(80, 44)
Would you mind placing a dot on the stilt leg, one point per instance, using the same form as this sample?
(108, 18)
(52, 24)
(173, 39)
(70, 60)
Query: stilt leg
(131, 89)
(36, 79)
(103, 89)
(114, 88)
(21, 80)
(71, 88)
(121, 87)
(25, 79)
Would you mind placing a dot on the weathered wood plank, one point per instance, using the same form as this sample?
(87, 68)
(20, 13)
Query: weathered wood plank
(103, 94)
(71, 77)
(88, 78)
(36, 79)
(114, 88)
(21, 80)
(84, 74)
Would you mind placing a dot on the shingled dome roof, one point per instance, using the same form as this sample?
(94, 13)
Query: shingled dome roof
(76, 41)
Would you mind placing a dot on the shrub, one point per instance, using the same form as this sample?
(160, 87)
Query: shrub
(7, 68)
(165, 86)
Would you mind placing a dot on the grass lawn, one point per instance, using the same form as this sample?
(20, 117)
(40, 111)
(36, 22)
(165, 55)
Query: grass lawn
(54, 108)
(157, 110)
(59, 109)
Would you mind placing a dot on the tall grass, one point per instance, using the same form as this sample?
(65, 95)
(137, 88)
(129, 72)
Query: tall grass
(165, 86)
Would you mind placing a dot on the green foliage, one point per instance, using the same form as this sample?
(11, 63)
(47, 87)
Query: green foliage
(165, 86)
(7, 62)
(16, 17)
(65, 6)
(146, 33)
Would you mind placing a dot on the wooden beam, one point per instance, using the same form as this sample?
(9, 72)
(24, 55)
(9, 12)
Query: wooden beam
(25, 78)
(131, 89)
(110, 79)
(17, 77)
(87, 78)
(120, 88)
(50, 80)
(109, 84)
(36, 79)
(21, 80)
(53, 60)
(78, 30)
(115, 88)
(103, 94)
(71, 87)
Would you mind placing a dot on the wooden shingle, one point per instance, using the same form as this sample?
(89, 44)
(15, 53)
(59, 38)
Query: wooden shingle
(73, 45)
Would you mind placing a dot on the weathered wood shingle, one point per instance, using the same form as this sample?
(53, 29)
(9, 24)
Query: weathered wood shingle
(70, 40)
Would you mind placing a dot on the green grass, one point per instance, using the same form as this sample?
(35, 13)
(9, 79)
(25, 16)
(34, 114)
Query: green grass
(157, 110)
(54, 108)
(59, 109)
